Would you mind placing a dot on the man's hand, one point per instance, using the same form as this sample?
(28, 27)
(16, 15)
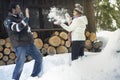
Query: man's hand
(27, 12)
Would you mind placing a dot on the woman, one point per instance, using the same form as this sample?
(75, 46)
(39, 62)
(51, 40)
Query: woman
(77, 29)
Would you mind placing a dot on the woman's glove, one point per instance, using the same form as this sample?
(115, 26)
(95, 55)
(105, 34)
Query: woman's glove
(57, 22)
(68, 18)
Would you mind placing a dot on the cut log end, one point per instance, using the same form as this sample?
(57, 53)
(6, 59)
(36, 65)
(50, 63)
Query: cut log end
(61, 49)
(92, 36)
(51, 50)
(64, 35)
(35, 35)
(39, 43)
(55, 41)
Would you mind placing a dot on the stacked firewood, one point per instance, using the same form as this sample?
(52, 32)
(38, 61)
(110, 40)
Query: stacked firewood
(7, 55)
(56, 43)
(92, 44)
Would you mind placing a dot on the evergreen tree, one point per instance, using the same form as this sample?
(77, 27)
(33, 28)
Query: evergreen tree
(107, 14)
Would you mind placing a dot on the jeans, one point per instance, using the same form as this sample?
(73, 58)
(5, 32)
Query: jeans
(21, 53)
(77, 49)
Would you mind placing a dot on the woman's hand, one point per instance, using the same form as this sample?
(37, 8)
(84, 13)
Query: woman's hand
(57, 22)
(68, 18)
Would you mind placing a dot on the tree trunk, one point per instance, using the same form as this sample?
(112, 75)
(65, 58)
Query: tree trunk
(89, 11)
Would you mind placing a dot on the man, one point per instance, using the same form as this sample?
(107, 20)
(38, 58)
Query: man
(22, 40)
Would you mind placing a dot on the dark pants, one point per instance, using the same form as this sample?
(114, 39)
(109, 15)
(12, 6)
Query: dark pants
(77, 49)
(21, 53)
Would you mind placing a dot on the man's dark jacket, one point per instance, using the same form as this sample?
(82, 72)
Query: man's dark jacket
(22, 37)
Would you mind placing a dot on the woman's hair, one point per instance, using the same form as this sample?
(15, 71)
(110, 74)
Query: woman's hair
(13, 6)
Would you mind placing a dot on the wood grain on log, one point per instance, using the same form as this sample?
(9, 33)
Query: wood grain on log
(68, 43)
(88, 44)
(44, 51)
(35, 35)
(5, 58)
(2, 42)
(1, 55)
(12, 56)
(63, 35)
(10, 61)
(38, 42)
(56, 33)
(1, 48)
(92, 36)
(8, 44)
(51, 50)
(2, 62)
(46, 45)
(7, 40)
(7, 51)
(61, 49)
(87, 33)
(54, 41)
(62, 42)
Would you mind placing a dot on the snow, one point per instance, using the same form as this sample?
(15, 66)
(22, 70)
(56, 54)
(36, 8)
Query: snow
(104, 65)
(112, 1)
(57, 14)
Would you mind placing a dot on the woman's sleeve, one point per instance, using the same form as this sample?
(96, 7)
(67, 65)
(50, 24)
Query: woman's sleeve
(71, 27)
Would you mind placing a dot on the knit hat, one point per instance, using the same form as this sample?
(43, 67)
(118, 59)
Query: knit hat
(79, 8)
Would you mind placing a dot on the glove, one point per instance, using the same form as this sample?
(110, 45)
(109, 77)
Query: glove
(27, 12)
(57, 22)
(68, 18)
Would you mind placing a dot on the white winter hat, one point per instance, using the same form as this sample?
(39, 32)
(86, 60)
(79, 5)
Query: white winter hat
(79, 8)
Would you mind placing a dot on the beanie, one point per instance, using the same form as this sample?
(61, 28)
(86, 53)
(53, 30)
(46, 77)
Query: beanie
(79, 8)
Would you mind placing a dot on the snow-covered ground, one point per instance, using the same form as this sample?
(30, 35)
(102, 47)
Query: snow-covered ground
(104, 65)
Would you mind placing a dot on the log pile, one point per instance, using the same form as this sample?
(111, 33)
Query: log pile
(56, 43)
(7, 55)
(92, 44)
